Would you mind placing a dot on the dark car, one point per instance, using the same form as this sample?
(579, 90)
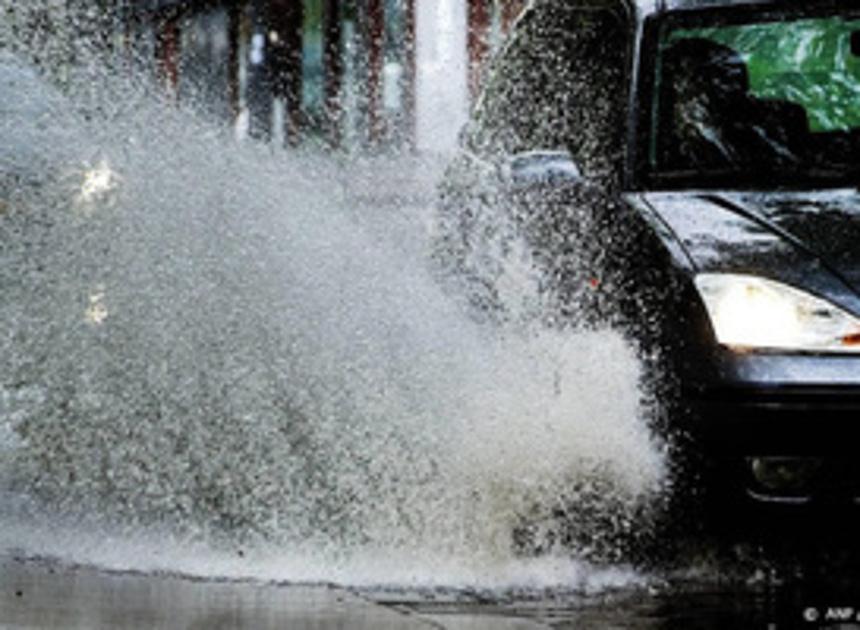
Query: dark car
(687, 171)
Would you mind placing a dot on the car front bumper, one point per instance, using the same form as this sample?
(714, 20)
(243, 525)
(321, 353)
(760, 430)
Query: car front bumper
(788, 420)
(798, 416)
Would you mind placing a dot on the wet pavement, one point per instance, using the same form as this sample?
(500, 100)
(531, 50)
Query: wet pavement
(41, 594)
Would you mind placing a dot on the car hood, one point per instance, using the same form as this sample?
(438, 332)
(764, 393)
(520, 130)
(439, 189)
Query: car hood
(809, 239)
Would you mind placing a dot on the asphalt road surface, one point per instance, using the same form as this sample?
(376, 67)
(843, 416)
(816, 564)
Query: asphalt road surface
(43, 594)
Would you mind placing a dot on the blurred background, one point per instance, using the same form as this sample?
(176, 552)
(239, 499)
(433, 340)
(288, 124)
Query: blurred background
(354, 75)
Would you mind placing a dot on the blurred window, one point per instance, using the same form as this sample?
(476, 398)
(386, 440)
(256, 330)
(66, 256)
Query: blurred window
(746, 93)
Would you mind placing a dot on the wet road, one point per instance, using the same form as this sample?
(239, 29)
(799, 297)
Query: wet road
(39, 594)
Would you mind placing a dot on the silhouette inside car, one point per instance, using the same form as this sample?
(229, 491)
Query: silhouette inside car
(709, 120)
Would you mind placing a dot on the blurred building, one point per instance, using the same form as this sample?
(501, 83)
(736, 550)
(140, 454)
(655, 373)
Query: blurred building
(345, 73)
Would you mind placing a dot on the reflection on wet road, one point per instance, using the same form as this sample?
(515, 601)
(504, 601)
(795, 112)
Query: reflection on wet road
(43, 594)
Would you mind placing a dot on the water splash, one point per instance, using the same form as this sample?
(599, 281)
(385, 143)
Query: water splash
(244, 348)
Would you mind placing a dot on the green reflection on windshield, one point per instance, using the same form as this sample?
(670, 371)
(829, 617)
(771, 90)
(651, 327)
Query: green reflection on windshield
(808, 62)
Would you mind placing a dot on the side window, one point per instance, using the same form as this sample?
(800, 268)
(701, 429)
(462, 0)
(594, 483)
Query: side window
(559, 84)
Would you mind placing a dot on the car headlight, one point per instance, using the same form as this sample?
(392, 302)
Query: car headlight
(748, 312)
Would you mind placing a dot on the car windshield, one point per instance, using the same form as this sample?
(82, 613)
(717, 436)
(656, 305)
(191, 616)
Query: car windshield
(757, 100)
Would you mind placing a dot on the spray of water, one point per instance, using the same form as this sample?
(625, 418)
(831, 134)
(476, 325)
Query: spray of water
(241, 348)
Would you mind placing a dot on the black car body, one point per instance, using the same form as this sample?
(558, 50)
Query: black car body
(687, 171)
